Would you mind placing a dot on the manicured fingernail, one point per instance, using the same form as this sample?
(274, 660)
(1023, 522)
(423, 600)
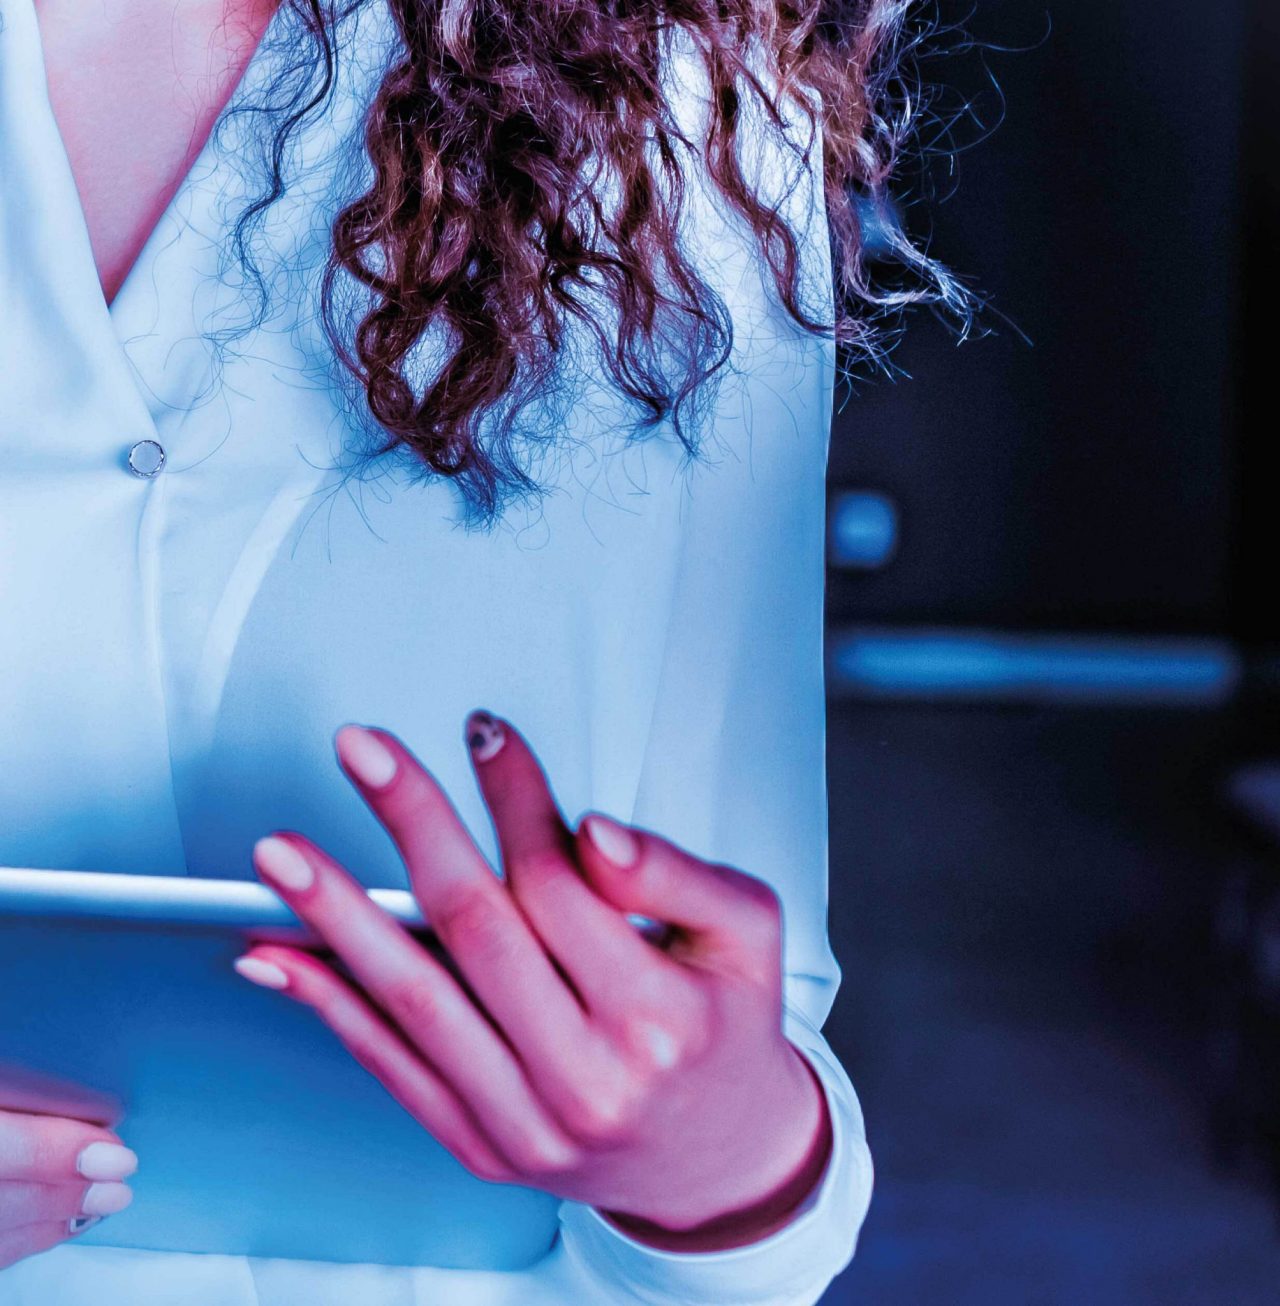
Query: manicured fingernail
(485, 735)
(612, 841)
(265, 973)
(661, 1045)
(556, 1152)
(280, 861)
(366, 756)
(79, 1223)
(106, 1199)
(107, 1161)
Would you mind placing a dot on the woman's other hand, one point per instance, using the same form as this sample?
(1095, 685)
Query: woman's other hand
(57, 1177)
(575, 1055)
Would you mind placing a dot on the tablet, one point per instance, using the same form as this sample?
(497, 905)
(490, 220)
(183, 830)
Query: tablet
(257, 1132)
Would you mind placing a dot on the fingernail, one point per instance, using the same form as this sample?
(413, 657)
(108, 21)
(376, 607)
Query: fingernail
(280, 861)
(366, 756)
(612, 841)
(485, 735)
(661, 1045)
(79, 1223)
(556, 1152)
(107, 1161)
(106, 1199)
(265, 973)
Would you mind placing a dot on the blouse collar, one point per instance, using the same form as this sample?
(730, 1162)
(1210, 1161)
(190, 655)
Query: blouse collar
(147, 356)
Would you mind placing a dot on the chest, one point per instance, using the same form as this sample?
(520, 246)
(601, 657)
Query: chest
(176, 652)
(136, 87)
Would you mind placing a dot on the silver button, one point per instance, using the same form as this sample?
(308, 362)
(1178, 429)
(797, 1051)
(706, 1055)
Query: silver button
(146, 458)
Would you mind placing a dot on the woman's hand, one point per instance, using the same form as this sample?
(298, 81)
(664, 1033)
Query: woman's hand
(57, 1177)
(575, 1055)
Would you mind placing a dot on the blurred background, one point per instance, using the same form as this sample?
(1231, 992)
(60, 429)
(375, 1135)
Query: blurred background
(1054, 674)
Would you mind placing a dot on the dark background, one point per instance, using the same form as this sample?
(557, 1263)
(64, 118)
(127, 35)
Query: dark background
(1059, 932)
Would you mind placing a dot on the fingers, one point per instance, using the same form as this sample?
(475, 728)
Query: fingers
(422, 999)
(610, 964)
(378, 1048)
(50, 1149)
(57, 1176)
(476, 918)
(23, 1202)
(728, 920)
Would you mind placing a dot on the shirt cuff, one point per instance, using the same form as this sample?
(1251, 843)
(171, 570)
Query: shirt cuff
(790, 1267)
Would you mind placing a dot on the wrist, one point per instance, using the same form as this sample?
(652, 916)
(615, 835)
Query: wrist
(753, 1221)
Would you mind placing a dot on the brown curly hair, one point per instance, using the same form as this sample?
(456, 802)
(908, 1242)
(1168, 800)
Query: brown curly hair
(481, 220)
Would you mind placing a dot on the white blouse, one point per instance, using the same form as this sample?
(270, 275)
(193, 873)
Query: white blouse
(177, 649)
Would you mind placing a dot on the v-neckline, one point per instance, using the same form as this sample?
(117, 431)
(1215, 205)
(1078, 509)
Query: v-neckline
(115, 311)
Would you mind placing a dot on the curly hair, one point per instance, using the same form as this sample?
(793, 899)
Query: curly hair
(481, 221)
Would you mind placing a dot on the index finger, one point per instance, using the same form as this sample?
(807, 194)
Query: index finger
(474, 914)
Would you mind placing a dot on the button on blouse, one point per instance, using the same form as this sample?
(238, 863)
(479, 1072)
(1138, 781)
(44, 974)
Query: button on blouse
(175, 658)
(146, 458)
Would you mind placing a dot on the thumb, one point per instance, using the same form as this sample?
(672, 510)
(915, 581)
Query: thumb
(727, 916)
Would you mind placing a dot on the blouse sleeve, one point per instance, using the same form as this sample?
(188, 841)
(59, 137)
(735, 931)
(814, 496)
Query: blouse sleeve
(734, 763)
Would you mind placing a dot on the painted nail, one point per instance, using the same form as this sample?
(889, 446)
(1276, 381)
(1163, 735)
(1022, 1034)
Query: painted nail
(366, 756)
(485, 735)
(557, 1153)
(612, 841)
(661, 1045)
(107, 1161)
(79, 1223)
(265, 973)
(280, 861)
(106, 1199)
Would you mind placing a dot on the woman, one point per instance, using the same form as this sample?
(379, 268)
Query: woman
(290, 294)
